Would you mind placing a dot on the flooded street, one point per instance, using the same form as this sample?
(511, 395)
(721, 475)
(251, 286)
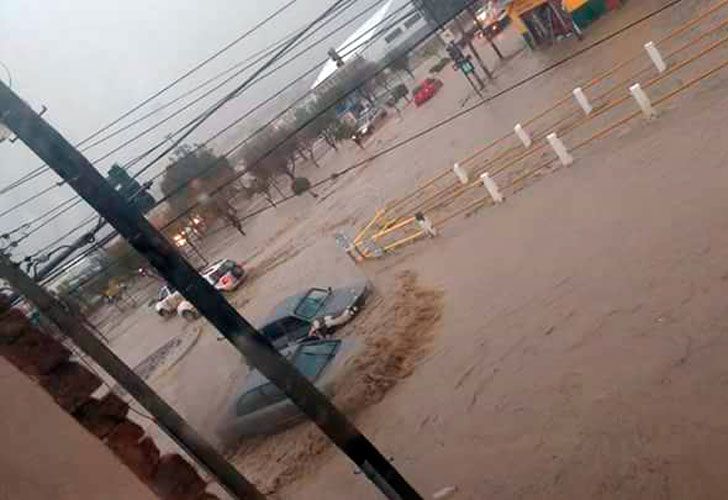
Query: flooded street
(579, 348)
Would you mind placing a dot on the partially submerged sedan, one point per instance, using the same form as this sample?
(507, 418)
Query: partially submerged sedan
(296, 317)
(259, 407)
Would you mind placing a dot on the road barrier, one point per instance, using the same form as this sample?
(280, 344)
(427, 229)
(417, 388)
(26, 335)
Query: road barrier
(519, 155)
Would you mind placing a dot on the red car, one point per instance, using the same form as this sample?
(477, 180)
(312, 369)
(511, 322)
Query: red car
(424, 91)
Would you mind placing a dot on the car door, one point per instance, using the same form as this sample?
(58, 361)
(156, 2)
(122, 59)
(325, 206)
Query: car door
(295, 328)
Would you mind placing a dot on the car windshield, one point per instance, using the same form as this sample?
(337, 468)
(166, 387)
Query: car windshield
(311, 303)
(309, 359)
(291, 327)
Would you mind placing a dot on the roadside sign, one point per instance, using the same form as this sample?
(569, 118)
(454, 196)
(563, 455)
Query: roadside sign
(467, 67)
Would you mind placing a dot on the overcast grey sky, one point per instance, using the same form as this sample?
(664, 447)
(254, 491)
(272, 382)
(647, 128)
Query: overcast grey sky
(88, 61)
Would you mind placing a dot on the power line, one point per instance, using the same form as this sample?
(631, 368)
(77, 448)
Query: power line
(187, 106)
(43, 168)
(239, 144)
(261, 104)
(231, 95)
(248, 113)
(425, 131)
(246, 63)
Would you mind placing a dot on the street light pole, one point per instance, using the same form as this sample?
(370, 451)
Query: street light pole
(78, 172)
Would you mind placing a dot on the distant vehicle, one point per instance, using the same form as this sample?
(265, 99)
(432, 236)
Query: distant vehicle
(426, 90)
(295, 317)
(171, 302)
(494, 19)
(368, 120)
(259, 407)
(225, 275)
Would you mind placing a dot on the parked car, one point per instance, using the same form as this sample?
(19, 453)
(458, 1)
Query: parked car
(225, 275)
(426, 90)
(259, 407)
(293, 319)
(368, 120)
(170, 302)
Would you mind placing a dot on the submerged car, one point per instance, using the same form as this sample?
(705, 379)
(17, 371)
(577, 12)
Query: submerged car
(259, 407)
(294, 318)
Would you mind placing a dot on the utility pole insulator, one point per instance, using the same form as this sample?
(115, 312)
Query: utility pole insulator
(336, 57)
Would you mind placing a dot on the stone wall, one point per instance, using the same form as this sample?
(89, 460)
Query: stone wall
(46, 361)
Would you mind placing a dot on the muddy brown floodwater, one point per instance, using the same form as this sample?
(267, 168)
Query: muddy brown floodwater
(396, 330)
(572, 341)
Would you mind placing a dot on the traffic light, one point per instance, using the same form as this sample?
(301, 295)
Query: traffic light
(130, 189)
(456, 55)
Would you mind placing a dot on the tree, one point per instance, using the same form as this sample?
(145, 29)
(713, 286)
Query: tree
(194, 176)
(401, 64)
(267, 155)
(300, 185)
(343, 131)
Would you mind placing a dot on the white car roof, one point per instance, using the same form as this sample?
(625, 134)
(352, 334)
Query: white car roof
(214, 267)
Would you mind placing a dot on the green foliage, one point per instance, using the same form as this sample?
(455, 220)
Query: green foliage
(437, 67)
(300, 185)
(399, 92)
(401, 63)
(193, 174)
(267, 154)
(343, 131)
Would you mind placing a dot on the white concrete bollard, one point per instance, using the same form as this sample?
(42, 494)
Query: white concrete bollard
(560, 150)
(522, 135)
(582, 100)
(656, 57)
(643, 101)
(492, 188)
(461, 173)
